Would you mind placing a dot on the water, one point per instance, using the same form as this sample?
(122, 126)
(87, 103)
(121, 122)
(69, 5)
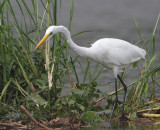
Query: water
(116, 125)
(111, 18)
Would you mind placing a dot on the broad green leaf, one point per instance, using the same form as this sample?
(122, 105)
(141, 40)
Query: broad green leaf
(135, 64)
(71, 102)
(78, 92)
(81, 107)
(38, 99)
(64, 101)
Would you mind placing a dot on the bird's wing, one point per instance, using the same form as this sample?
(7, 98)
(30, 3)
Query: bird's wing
(115, 52)
(123, 55)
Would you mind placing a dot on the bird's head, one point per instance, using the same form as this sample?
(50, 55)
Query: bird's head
(52, 30)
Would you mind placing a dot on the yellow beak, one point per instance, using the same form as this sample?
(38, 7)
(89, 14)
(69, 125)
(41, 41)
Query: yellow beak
(43, 39)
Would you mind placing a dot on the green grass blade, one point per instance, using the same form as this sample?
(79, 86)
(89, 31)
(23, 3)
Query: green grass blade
(138, 28)
(5, 89)
(55, 12)
(45, 10)
(13, 15)
(71, 15)
(21, 89)
(21, 10)
(29, 12)
(151, 73)
(86, 71)
(99, 73)
(153, 35)
(1, 6)
(150, 63)
(24, 74)
(74, 70)
(81, 33)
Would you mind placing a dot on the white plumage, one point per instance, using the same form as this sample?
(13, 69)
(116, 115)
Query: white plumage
(114, 54)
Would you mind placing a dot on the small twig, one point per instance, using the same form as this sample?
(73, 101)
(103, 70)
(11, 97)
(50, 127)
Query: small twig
(137, 87)
(6, 125)
(25, 111)
(100, 99)
(50, 81)
(151, 102)
(150, 115)
(20, 88)
(71, 81)
(149, 109)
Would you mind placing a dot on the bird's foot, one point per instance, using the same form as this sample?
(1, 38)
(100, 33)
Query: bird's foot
(123, 118)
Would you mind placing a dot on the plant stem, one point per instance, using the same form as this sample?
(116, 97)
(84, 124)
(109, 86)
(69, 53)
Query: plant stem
(3, 53)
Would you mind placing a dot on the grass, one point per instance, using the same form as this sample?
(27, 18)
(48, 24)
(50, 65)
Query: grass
(36, 79)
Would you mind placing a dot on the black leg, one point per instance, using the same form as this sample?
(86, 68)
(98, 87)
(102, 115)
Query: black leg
(115, 101)
(124, 97)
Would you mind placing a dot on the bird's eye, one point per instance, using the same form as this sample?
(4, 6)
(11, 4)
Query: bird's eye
(50, 34)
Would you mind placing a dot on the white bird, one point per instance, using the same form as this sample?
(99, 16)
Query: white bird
(114, 54)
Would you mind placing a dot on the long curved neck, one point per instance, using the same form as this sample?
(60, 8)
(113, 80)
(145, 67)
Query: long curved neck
(82, 51)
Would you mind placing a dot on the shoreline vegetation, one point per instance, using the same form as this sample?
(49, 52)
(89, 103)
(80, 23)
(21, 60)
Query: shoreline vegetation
(31, 82)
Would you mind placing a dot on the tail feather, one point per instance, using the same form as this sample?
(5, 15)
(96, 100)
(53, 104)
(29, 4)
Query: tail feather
(143, 53)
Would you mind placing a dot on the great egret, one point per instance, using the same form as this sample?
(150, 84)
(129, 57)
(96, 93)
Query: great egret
(114, 54)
